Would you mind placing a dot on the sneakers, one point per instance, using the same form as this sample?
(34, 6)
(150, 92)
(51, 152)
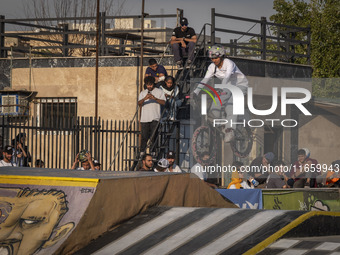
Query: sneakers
(229, 135)
(179, 65)
(189, 62)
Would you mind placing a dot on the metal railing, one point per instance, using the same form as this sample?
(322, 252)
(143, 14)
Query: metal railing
(58, 146)
(54, 37)
(283, 45)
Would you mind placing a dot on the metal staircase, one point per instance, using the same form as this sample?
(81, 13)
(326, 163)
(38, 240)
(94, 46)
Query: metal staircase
(168, 129)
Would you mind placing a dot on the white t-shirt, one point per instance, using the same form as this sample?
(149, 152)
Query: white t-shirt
(229, 73)
(151, 110)
(175, 169)
(3, 163)
(199, 171)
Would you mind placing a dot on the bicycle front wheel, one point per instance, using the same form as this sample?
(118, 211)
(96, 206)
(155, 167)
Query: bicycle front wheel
(242, 142)
(203, 142)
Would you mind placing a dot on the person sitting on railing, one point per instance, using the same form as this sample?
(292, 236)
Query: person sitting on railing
(303, 156)
(171, 92)
(260, 167)
(277, 178)
(330, 176)
(86, 161)
(156, 70)
(150, 100)
(183, 42)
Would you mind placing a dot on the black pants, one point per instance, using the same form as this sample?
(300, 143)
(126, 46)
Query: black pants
(147, 129)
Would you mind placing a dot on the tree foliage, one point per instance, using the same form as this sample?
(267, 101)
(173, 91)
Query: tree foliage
(323, 16)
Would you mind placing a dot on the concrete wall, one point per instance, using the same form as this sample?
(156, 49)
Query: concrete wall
(116, 91)
(118, 79)
(320, 135)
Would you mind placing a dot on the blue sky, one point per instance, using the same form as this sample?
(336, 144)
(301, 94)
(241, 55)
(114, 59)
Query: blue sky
(197, 11)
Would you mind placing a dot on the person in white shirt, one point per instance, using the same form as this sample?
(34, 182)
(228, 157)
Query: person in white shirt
(227, 71)
(150, 100)
(170, 156)
(7, 157)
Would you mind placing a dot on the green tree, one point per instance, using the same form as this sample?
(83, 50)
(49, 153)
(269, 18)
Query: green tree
(323, 16)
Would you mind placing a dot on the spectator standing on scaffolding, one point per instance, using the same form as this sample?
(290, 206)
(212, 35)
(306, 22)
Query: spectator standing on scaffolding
(156, 70)
(183, 42)
(150, 100)
(171, 92)
(21, 156)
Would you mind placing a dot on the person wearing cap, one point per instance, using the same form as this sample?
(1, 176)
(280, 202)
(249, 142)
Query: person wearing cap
(170, 156)
(7, 157)
(183, 42)
(162, 165)
(260, 167)
(147, 163)
(96, 164)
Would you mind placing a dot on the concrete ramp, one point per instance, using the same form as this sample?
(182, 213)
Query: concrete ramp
(192, 231)
(176, 230)
(46, 211)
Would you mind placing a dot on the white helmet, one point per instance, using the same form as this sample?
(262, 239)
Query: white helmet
(216, 51)
(307, 152)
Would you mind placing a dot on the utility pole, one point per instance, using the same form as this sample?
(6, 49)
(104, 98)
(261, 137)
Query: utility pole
(141, 48)
(97, 62)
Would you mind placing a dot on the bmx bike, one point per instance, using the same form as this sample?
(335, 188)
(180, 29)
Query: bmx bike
(205, 138)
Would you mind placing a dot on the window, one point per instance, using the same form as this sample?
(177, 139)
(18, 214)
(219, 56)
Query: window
(56, 112)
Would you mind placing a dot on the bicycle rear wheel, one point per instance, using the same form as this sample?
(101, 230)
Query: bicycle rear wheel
(243, 141)
(204, 141)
